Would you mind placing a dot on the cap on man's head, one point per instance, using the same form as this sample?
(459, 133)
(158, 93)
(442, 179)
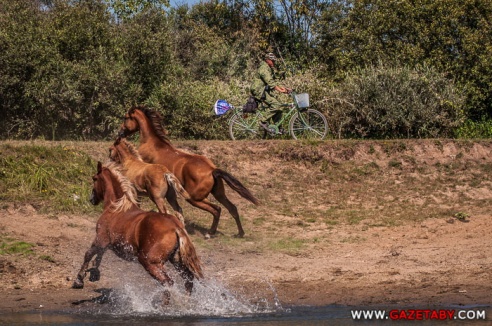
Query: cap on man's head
(271, 56)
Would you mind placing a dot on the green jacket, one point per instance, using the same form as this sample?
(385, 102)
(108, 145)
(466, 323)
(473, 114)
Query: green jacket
(264, 76)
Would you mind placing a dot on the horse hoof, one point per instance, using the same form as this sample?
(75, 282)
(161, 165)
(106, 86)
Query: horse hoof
(207, 236)
(78, 285)
(95, 275)
(162, 300)
(240, 235)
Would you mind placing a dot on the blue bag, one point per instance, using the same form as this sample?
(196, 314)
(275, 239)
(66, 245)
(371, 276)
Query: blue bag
(221, 107)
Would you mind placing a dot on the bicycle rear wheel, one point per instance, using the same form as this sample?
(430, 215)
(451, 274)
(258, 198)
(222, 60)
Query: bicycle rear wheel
(244, 126)
(309, 124)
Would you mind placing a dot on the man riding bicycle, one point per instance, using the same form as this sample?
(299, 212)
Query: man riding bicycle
(263, 89)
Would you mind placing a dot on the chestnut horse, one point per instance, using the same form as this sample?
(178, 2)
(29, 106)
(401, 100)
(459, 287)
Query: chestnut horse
(198, 175)
(133, 234)
(153, 180)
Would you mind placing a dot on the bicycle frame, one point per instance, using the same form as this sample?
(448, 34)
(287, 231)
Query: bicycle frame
(258, 115)
(300, 121)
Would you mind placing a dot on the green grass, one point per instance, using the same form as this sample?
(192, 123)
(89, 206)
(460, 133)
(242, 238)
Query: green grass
(47, 258)
(52, 178)
(10, 246)
(287, 245)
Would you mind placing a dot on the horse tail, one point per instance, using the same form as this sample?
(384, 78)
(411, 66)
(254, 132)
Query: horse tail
(178, 187)
(187, 253)
(235, 184)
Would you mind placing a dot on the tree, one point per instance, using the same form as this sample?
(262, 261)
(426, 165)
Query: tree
(124, 9)
(452, 36)
(22, 50)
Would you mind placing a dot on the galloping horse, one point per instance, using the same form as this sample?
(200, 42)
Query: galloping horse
(198, 175)
(154, 180)
(131, 233)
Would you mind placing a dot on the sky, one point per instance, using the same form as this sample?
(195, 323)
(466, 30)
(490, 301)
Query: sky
(175, 3)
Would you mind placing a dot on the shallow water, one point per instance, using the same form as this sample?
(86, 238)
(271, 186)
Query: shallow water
(326, 315)
(210, 304)
(294, 316)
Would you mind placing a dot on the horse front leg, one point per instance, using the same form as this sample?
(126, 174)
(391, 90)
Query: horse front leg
(95, 274)
(93, 250)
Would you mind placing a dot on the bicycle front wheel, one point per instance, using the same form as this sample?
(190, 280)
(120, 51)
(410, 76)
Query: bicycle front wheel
(309, 124)
(244, 126)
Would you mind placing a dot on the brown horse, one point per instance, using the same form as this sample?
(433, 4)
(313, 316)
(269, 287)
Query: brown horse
(153, 180)
(198, 175)
(133, 234)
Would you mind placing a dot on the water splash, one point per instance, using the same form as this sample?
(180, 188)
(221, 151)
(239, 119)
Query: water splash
(210, 298)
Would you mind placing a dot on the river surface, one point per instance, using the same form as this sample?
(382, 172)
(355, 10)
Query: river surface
(293, 316)
(213, 304)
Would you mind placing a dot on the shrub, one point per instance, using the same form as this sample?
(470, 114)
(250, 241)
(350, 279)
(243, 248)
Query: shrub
(394, 102)
(472, 129)
(187, 107)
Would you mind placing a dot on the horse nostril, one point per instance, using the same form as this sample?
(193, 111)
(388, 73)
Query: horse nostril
(122, 133)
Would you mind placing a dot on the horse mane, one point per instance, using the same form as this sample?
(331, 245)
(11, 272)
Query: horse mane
(155, 119)
(133, 151)
(129, 197)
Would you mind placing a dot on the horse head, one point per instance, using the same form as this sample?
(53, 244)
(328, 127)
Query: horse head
(130, 123)
(112, 188)
(113, 151)
(147, 121)
(98, 187)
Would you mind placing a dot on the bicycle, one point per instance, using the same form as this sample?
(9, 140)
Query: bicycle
(304, 123)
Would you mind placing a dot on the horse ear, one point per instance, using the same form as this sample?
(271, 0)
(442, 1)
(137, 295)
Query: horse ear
(99, 167)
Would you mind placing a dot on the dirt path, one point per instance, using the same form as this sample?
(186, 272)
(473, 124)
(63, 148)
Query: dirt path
(379, 227)
(433, 263)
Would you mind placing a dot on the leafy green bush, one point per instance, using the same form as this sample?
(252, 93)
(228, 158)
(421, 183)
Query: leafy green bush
(187, 107)
(394, 102)
(472, 129)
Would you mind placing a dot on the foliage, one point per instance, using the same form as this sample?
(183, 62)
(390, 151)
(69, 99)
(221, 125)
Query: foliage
(475, 129)
(451, 36)
(387, 102)
(187, 107)
(70, 69)
(125, 9)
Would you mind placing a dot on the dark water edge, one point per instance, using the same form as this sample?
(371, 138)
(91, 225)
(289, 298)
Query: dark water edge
(297, 315)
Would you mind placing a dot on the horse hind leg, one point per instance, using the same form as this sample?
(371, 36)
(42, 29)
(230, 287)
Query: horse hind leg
(186, 274)
(173, 201)
(157, 198)
(155, 267)
(213, 209)
(219, 193)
